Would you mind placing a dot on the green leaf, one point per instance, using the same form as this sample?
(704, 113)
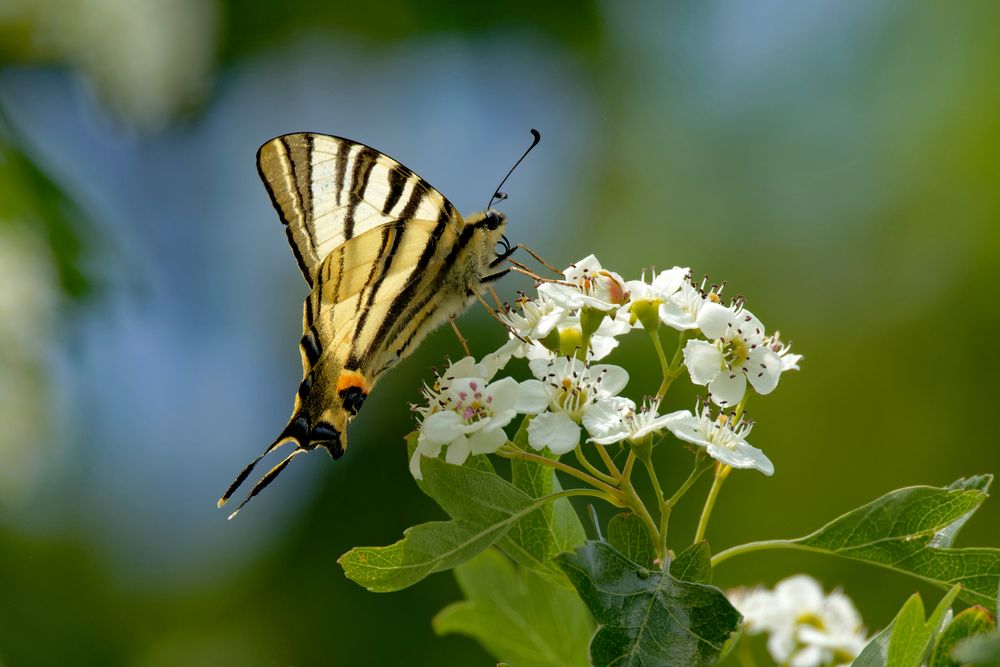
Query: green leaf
(876, 651)
(912, 530)
(483, 508)
(693, 564)
(517, 615)
(971, 622)
(647, 617)
(627, 533)
(912, 636)
(548, 531)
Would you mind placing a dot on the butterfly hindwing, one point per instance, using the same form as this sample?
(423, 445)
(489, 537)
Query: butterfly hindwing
(328, 190)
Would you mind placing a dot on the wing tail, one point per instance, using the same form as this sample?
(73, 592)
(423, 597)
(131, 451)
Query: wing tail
(295, 432)
(269, 477)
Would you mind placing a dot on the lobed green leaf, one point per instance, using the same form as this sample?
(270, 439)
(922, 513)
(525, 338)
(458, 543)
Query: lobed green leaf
(647, 617)
(628, 534)
(693, 564)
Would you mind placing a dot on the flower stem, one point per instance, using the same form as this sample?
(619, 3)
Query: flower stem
(750, 547)
(667, 506)
(721, 473)
(664, 366)
(697, 472)
(608, 462)
(670, 371)
(510, 452)
(592, 469)
(636, 505)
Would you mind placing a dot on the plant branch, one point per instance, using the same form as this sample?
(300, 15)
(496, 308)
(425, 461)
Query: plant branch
(514, 453)
(592, 469)
(721, 473)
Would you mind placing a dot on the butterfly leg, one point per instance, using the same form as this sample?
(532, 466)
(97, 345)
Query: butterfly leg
(521, 268)
(538, 258)
(458, 334)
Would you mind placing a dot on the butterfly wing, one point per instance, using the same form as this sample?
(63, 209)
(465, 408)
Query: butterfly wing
(327, 190)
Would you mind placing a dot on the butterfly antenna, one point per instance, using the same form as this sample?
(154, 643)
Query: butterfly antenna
(262, 483)
(499, 196)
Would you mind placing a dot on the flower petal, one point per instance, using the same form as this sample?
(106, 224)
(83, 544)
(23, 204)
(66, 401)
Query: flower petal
(532, 397)
(487, 441)
(554, 430)
(614, 380)
(441, 427)
(669, 281)
(605, 416)
(677, 317)
(601, 346)
(703, 361)
(763, 370)
(502, 394)
(687, 427)
(728, 388)
(742, 455)
(458, 451)
(715, 320)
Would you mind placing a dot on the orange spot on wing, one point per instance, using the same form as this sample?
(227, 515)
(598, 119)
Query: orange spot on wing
(350, 379)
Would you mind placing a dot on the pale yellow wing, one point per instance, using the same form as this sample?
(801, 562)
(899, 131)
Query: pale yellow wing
(328, 190)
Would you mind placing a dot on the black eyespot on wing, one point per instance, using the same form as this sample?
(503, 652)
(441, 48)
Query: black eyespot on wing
(310, 346)
(305, 386)
(353, 398)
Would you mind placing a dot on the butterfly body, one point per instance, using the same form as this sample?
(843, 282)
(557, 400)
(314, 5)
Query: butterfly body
(388, 259)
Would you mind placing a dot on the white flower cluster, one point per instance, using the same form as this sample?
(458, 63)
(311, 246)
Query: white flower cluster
(805, 627)
(574, 322)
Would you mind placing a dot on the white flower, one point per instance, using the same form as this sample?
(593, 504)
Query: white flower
(806, 627)
(624, 423)
(469, 419)
(789, 362)
(537, 319)
(566, 393)
(739, 351)
(650, 297)
(589, 285)
(680, 310)
(540, 318)
(724, 440)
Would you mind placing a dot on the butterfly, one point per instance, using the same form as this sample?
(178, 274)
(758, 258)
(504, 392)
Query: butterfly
(387, 259)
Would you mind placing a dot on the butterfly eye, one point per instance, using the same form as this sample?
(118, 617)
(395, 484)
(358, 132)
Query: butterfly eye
(493, 220)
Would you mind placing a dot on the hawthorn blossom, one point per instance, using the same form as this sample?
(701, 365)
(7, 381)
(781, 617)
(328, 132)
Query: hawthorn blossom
(724, 440)
(612, 424)
(653, 294)
(543, 328)
(806, 628)
(680, 310)
(738, 352)
(566, 393)
(588, 284)
(468, 418)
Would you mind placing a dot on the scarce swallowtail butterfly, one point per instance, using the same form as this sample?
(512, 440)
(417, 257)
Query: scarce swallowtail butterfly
(387, 259)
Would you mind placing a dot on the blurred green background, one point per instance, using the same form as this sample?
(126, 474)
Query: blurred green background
(836, 162)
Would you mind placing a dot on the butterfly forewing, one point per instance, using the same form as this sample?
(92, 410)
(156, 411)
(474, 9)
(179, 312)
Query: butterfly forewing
(328, 190)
